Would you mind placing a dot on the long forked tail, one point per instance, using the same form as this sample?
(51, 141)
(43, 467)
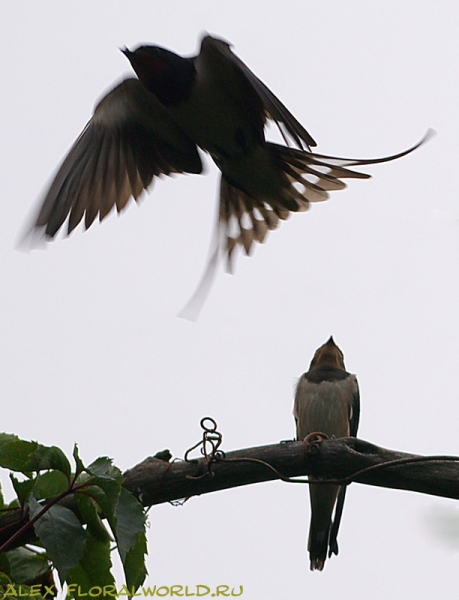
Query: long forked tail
(309, 177)
(244, 220)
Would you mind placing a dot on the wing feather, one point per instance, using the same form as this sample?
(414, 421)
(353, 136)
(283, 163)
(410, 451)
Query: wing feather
(274, 109)
(130, 140)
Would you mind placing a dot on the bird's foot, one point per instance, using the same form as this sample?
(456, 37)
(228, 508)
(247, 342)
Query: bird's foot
(313, 440)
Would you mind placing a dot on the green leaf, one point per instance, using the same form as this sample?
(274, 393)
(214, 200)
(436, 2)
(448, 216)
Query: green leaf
(88, 509)
(93, 570)
(102, 481)
(26, 566)
(45, 458)
(44, 486)
(4, 564)
(78, 462)
(14, 454)
(62, 535)
(105, 492)
(106, 502)
(8, 437)
(131, 539)
(50, 484)
(19, 455)
(131, 522)
(104, 467)
(4, 579)
(2, 499)
(134, 563)
(22, 488)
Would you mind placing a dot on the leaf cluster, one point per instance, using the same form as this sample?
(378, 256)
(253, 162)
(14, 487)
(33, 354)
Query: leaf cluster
(74, 539)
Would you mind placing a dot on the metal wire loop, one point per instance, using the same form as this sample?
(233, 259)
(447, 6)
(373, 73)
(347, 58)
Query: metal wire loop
(209, 445)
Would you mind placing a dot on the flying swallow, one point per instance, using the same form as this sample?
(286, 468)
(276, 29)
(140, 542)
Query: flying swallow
(152, 125)
(326, 401)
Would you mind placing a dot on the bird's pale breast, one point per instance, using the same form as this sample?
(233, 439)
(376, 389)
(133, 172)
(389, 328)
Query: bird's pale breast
(324, 406)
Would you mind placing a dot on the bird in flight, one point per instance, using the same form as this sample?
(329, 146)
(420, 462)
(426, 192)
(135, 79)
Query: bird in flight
(154, 124)
(326, 401)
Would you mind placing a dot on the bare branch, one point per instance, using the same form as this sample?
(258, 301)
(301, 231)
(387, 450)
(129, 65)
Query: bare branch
(154, 481)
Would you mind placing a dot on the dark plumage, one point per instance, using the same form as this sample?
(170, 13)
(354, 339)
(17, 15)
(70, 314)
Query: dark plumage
(153, 126)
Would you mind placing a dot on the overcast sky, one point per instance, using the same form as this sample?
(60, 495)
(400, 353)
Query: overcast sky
(92, 350)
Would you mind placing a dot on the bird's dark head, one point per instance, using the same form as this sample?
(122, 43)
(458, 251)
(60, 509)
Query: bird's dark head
(328, 355)
(213, 44)
(167, 75)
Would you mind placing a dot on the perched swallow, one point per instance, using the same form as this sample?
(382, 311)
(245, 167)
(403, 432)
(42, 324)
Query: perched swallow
(153, 126)
(326, 401)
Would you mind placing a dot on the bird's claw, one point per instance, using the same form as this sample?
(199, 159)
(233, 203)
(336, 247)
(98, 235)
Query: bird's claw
(313, 440)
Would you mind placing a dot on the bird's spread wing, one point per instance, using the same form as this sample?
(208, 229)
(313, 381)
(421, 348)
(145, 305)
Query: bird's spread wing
(129, 140)
(273, 107)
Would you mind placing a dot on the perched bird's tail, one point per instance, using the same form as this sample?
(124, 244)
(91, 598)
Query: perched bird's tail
(323, 498)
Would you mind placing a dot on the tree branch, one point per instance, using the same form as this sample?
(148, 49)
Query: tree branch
(154, 481)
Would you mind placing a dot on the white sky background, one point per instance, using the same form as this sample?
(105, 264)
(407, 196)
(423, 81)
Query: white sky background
(92, 351)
